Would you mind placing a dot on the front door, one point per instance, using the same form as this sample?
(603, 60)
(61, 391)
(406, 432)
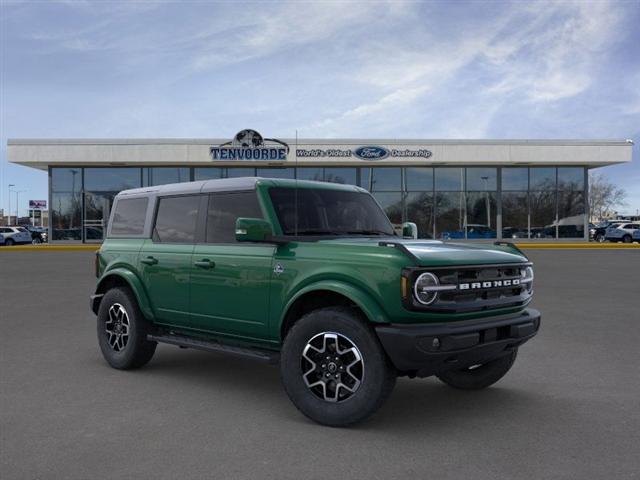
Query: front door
(165, 259)
(230, 281)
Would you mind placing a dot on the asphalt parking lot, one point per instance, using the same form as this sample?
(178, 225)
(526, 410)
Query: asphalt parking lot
(570, 408)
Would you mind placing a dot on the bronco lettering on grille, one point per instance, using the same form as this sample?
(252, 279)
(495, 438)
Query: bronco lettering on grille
(512, 282)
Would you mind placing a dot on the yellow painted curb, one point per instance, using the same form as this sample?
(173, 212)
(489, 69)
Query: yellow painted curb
(48, 248)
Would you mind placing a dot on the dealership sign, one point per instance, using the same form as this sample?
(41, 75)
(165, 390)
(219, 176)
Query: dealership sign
(250, 145)
(38, 204)
(365, 152)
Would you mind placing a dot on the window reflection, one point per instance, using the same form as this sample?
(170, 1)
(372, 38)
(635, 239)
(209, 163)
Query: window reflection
(240, 172)
(111, 179)
(515, 214)
(515, 179)
(164, 175)
(66, 216)
(481, 215)
(340, 175)
(419, 208)
(381, 179)
(275, 172)
(542, 178)
(207, 173)
(310, 173)
(391, 203)
(449, 179)
(66, 179)
(418, 179)
(570, 178)
(543, 214)
(571, 212)
(449, 215)
(483, 179)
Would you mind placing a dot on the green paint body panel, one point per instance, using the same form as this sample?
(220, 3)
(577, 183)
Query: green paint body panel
(244, 297)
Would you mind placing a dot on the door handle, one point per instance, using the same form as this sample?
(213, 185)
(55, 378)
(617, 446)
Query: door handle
(149, 260)
(204, 263)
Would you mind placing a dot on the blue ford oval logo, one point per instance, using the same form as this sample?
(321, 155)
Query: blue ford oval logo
(371, 153)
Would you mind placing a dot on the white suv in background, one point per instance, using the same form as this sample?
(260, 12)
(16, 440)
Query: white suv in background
(15, 235)
(623, 232)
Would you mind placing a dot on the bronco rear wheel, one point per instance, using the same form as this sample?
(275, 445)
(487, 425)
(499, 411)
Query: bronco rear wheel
(479, 376)
(122, 331)
(333, 367)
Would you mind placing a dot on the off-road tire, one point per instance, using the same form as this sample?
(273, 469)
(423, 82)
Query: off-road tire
(378, 375)
(137, 350)
(479, 377)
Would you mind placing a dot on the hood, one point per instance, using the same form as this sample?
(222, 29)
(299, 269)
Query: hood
(435, 253)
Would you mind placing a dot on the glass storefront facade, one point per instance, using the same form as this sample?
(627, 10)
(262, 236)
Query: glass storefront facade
(445, 202)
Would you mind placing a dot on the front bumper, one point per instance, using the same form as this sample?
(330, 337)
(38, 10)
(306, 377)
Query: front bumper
(427, 349)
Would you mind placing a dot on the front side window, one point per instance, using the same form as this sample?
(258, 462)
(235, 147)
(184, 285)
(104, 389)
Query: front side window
(176, 219)
(315, 211)
(223, 211)
(129, 216)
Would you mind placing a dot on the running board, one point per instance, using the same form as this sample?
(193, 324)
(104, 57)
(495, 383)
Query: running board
(267, 356)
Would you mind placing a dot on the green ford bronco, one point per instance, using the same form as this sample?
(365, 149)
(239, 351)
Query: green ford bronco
(311, 276)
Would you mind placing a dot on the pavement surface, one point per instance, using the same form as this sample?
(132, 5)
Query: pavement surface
(570, 407)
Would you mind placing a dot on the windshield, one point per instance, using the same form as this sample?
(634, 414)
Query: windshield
(328, 212)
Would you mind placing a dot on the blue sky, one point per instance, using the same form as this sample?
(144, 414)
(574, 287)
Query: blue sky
(328, 69)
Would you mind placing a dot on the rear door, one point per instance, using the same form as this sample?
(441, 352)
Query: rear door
(165, 258)
(230, 281)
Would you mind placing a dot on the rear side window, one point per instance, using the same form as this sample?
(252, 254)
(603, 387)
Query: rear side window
(176, 219)
(224, 209)
(128, 217)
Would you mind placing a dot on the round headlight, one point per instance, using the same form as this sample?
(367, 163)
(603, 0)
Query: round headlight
(424, 290)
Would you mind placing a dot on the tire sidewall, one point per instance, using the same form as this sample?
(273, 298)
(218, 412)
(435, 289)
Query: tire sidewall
(137, 333)
(371, 392)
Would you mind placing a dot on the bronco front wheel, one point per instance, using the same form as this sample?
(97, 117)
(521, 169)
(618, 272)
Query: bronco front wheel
(122, 331)
(333, 367)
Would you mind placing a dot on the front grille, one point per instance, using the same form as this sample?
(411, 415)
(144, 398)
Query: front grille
(477, 288)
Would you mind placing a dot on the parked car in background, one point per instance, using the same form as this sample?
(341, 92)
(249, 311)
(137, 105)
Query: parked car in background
(473, 231)
(599, 232)
(514, 232)
(15, 235)
(623, 232)
(38, 234)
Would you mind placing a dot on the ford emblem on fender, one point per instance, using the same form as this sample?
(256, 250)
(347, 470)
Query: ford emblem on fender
(371, 153)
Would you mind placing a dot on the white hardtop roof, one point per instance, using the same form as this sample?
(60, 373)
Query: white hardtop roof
(227, 185)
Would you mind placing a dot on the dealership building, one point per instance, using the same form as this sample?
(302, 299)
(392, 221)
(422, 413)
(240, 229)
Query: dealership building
(452, 189)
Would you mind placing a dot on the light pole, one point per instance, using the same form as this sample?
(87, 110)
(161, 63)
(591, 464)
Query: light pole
(9, 211)
(18, 192)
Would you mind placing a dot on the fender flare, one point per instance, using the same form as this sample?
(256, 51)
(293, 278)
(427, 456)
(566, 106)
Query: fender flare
(369, 306)
(134, 284)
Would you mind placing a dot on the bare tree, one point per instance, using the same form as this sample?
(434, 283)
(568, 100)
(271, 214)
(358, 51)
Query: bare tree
(604, 196)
